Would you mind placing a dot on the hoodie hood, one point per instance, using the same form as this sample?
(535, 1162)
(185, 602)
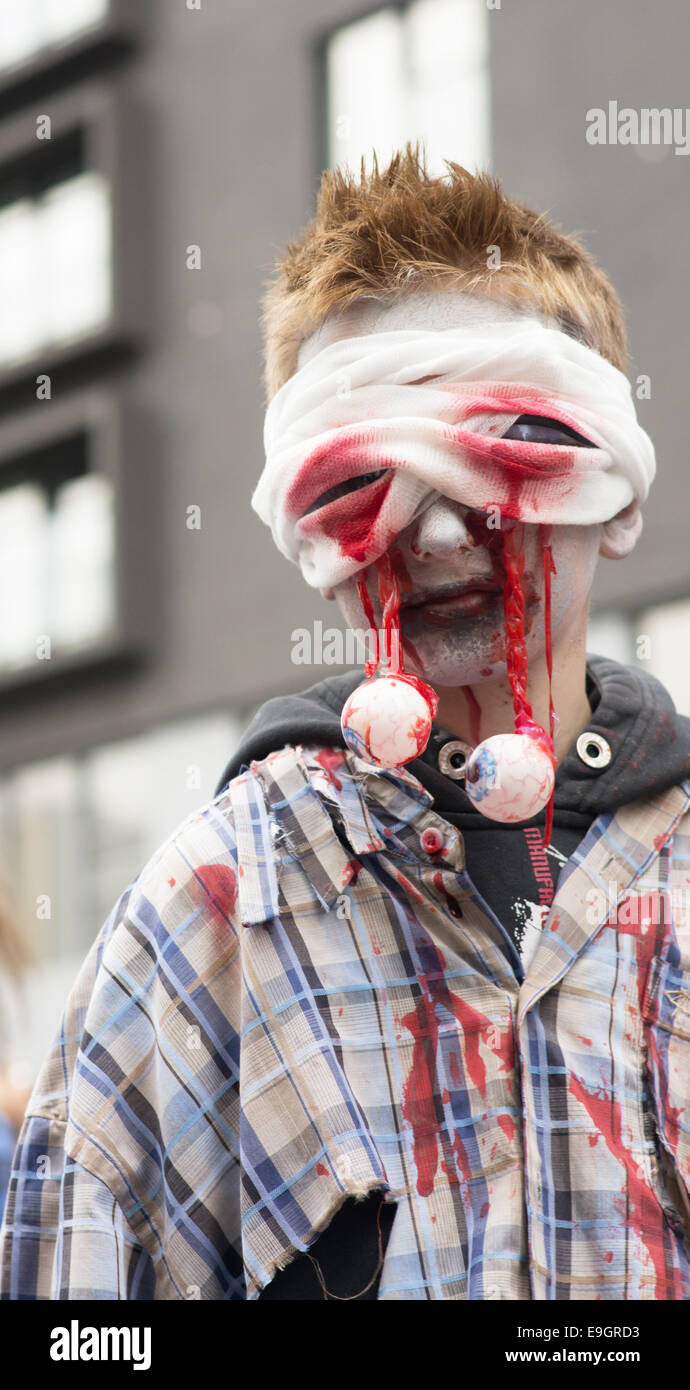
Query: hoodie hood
(649, 740)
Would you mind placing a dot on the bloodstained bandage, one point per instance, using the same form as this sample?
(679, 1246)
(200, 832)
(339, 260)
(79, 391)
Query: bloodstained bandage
(416, 440)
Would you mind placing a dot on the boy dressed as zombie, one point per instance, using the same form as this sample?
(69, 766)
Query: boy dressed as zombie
(404, 1012)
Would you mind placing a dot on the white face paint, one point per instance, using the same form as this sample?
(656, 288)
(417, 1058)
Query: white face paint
(452, 611)
(452, 621)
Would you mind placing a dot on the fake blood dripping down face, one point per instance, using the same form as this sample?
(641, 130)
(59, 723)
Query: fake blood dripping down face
(450, 569)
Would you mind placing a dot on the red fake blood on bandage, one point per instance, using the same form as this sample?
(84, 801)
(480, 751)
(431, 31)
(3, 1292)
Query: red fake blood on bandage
(350, 519)
(516, 471)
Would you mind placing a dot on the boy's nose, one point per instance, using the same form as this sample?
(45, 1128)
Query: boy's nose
(440, 531)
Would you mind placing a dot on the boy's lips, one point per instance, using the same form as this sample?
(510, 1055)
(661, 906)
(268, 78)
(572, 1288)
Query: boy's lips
(447, 593)
(448, 603)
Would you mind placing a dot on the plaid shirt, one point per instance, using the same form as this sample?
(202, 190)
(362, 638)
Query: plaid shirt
(298, 1002)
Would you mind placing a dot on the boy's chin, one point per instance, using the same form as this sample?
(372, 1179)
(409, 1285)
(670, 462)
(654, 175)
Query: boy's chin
(441, 674)
(471, 658)
(444, 662)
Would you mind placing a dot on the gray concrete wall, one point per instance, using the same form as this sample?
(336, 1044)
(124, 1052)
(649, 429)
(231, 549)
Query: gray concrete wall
(550, 65)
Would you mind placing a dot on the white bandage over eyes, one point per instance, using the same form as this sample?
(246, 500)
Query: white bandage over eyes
(358, 408)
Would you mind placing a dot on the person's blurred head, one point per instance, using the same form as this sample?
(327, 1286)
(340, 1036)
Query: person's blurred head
(15, 953)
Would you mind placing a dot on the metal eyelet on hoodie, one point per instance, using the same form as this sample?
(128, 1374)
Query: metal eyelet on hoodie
(453, 757)
(593, 750)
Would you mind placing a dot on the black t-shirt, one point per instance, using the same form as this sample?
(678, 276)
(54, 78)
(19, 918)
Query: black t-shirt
(345, 1261)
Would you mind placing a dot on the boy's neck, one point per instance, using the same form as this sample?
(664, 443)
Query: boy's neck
(476, 712)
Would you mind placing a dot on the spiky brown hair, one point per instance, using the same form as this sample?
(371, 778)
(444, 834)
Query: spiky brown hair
(397, 229)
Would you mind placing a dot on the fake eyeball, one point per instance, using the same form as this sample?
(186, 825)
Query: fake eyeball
(387, 721)
(510, 777)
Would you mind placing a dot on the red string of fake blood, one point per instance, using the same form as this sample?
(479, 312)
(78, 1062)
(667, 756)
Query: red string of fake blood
(514, 613)
(389, 596)
(369, 666)
(549, 568)
(516, 646)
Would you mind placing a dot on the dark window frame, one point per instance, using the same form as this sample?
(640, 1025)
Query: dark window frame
(110, 422)
(113, 39)
(113, 137)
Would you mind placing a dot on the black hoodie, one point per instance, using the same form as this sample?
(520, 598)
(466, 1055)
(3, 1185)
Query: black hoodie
(650, 751)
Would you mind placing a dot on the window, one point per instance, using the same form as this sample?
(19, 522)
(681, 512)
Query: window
(75, 832)
(74, 264)
(29, 26)
(417, 72)
(655, 640)
(55, 275)
(58, 541)
(56, 568)
(73, 301)
(667, 626)
(138, 791)
(611, 634)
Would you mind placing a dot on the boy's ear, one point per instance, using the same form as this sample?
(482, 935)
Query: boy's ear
(618, 536)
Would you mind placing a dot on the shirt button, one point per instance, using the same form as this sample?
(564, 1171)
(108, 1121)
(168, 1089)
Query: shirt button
(431, 841)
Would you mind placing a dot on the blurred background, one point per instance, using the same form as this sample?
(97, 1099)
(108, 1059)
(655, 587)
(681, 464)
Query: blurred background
(155, 155)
